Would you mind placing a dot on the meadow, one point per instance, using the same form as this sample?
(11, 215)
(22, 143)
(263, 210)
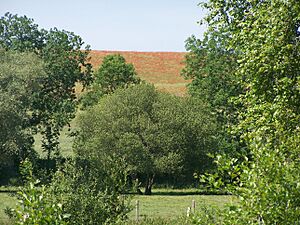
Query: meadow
(165, 203)
(171, 203)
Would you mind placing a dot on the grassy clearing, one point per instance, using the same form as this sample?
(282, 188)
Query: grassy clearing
(164, 204)
(65, 143)
(169, 204)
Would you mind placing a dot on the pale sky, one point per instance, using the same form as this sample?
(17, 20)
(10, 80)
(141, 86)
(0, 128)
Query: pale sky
(130, 25)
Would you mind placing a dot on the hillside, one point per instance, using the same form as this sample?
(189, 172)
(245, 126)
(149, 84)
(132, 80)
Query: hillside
(159, 68)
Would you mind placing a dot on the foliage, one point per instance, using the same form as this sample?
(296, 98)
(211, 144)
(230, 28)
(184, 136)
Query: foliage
(212, 70)
(95, 188)
(20, 74)
(113, 73)
(211, 66)
(36, 205)
(266, 33)
(81, 192)
(153, 132)
(65, 65)
(207, 215)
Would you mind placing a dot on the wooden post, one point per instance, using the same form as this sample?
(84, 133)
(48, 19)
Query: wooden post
(193, 206)
(137, 210)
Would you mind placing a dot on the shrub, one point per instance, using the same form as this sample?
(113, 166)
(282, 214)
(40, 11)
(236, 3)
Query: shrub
(80, 193)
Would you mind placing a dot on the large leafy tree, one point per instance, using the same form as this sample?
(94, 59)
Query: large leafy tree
(65, 65)
(20, 76)
(266, 34)
(211, 66)
(155, 133)
(113, 73)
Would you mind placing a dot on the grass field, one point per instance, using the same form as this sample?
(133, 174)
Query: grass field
(169, 203)
(65, 144)
(164, 203)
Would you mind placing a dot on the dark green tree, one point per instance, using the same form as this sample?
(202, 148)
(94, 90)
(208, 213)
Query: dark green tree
(113, 73)
(65, 64)
(20, 76)
(155, 133)
(211, 66)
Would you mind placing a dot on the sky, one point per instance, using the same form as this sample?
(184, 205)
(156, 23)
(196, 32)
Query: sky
(125, 25)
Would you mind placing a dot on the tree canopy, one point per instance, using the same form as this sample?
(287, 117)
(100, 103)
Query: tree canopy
(65, 64)
(20, 75)
(153, 132)
(211, 66)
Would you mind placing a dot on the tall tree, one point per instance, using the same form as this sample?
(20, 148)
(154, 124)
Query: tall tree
(266, 33)
(154, 133)
(211, 66)
(65, 65)
(20, 74)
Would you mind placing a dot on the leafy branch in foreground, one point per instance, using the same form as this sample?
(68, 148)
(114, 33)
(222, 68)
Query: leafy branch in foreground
(266, 34)
(81, 192)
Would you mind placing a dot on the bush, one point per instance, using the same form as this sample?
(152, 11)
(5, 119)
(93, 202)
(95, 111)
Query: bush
(81, 192)
(36, 204)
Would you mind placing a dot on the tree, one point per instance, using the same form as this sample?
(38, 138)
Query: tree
(153, 132)
(212, 69)
(266, 33)
(54, 105)
(113, 73)
(20, 75)
(211, 66)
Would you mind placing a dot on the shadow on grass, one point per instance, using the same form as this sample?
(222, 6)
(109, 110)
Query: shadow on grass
(183, 193)
(7, 191)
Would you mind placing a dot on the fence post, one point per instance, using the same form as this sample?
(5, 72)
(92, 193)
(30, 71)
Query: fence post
(137, 210)
(193, 206)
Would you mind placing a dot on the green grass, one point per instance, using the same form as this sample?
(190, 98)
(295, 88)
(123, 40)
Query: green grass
(169, 204)
(65, 143)
(6, 200)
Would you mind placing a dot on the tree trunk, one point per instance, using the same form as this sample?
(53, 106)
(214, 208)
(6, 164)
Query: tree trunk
(138, 190)
(149, 183)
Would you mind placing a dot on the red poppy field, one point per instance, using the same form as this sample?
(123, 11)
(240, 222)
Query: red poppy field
(159, 68)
